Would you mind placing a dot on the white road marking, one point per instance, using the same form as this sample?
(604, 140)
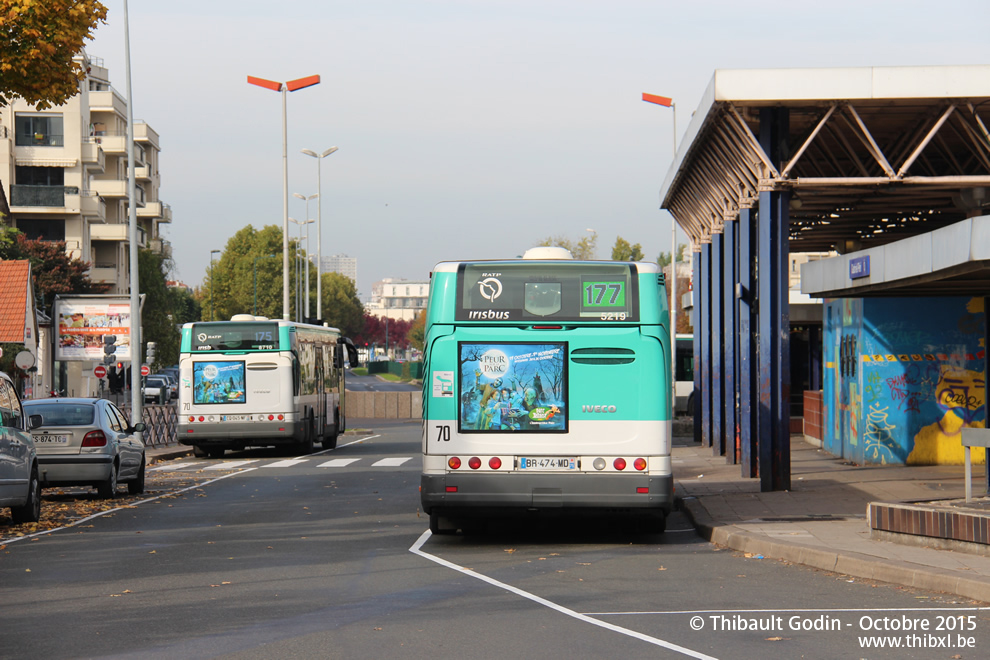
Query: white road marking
(230, 465)
(339, 462)
(417, 550)
(392, 462)
(170, 466)
(289, 462)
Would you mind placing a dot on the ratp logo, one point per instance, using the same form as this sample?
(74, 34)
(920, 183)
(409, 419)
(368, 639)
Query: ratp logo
(491, 288)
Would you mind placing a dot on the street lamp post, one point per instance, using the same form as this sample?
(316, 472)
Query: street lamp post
(307, 200)
(669, 103)
(266, 256)
(284, 88)
(319, 228)
(212, 252)
(303, 264)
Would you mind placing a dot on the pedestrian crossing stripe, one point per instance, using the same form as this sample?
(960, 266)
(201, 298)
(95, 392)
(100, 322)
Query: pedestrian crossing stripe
(230, 465)
(286, 463)
(339, 462)
(392, 462)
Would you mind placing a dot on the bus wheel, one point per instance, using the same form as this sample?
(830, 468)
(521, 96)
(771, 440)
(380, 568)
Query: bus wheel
(330, 433)
(199, 452)
(440, 525)
(215, 452)
(309, 430)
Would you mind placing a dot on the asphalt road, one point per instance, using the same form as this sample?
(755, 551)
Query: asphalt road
(327, 556)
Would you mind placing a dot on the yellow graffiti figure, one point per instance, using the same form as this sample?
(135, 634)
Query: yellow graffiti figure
(959, 395)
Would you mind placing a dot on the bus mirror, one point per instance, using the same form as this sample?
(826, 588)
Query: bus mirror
(352, 355)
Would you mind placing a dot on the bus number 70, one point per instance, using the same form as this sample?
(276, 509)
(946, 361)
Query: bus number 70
(443, 433)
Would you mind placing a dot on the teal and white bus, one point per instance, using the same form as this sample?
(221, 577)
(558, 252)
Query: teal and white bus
(547, 389)
(252, 382)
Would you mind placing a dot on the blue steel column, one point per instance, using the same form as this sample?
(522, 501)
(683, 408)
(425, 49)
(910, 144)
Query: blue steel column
(731, 340)
(718, 390)
(705, 330)
(774, 321)
(749, 447)
(696, 324)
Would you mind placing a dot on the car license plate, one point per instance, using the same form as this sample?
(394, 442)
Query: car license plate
(233, 418)
(48, 439)
(548, 463)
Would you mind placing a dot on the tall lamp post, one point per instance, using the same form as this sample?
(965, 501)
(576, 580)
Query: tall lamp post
(284, 88)
(212, 252)
(307, 200)
(304, 263)
(319, 228)
(669, 103)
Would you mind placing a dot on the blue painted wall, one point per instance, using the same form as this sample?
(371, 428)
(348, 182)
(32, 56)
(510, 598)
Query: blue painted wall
(903, 376)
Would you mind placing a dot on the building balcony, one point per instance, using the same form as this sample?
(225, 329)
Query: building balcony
(161, 246)
(116, 189)
(107, 101)
(155, 210)
(103, 273)
(92, 155)
(145, 133)
(93, 207)
(116, 232)
(44, 199)
(114, 145)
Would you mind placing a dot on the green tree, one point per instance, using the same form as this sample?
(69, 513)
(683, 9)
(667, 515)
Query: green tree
(622, 251)
(417, 332)
(342, 308)
(184, 306)
(583, 249)
(664, 258)
(158, 314)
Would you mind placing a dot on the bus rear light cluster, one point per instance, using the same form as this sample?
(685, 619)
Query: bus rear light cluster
(261, 418)
(620, 464)
(475, 463)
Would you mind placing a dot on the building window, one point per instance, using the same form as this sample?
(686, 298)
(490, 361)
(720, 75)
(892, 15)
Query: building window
(39, 130)
(44, 230)
(39, 176)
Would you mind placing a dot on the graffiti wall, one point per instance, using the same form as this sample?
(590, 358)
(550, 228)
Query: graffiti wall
(903, 377)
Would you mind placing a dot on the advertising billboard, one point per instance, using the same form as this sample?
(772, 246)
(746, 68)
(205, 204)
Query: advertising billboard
(512, 386)
(83, 323)
(218, 382)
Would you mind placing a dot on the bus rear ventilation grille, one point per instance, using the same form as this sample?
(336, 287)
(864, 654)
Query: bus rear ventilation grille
(603, 355)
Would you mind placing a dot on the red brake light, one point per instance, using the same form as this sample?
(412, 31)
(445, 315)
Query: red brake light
(271, 418)
(642, 489)
(619, 464)
(495, 462)
(474, 462)
(454, 462)
(94, 439)
(281, 417)
(640, 464)
(201, 418)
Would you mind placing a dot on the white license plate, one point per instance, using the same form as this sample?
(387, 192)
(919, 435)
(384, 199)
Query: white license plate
(234, 418)
(547, 463)
(47, 439)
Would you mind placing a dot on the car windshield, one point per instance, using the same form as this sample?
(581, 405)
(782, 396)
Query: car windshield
(156, 382)
(62, 414)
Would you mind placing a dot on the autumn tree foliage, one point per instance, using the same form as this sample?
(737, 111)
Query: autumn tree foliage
(38, 39)
(54, 271)
(376, 329)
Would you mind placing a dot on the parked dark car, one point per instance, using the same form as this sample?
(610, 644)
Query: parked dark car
(20, 475)
(87, 442)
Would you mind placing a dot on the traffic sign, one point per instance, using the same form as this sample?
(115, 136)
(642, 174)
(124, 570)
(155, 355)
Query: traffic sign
(99, 371)
(145, 370)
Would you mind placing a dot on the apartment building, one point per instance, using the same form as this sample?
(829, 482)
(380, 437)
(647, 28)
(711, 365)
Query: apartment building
(341, 263)
(398, 299)
(64, 170)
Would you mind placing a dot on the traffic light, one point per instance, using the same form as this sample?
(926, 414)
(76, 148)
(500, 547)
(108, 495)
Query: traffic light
(150, 352)
(109, 348)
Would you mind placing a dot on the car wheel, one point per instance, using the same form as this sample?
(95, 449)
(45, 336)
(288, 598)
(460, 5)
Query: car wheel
(136, 485)
(108, 489)
(31, 510)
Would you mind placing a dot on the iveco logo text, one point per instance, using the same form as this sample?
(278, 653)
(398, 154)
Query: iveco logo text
(598, 409)
(488, 315)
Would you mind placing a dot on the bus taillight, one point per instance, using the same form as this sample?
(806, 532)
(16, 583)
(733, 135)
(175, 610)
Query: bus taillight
(454, 462)
(495, 462)
(640, 464)
(619, 464)
(474, 462)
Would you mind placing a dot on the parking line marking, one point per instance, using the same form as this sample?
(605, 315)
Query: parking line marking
(339, 462)
(289, 462)
(392, 462)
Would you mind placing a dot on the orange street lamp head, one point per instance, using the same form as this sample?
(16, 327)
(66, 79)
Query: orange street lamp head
(659, 100)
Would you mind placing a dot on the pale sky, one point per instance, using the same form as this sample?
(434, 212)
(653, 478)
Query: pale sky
(467, 129)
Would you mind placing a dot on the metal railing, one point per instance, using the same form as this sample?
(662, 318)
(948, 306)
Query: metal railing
(162, 422)
(39, 140)
(22, 195)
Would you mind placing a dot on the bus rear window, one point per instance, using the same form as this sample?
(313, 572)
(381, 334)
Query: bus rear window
(234, 337)
(543, 292)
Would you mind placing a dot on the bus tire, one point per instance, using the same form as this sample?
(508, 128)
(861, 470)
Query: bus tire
(440, 525)
(330, 433)
(199, 452)
(215, 452)
(309, 430)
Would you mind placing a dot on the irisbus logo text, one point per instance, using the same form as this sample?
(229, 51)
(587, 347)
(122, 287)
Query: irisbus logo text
(598, 409)
(488, 315)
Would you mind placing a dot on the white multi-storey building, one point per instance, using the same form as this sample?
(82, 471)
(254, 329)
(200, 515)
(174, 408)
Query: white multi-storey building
(341, 263)
(64, 170)
(398, 299)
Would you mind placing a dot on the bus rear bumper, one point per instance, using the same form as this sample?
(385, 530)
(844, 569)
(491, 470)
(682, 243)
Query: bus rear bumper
(504, 494)
(241, 434)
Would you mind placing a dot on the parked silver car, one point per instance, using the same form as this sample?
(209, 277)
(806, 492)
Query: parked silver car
(20, 481)
(156, 390)
(87, 442)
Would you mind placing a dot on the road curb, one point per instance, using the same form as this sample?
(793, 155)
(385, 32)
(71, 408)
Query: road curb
(847, 563)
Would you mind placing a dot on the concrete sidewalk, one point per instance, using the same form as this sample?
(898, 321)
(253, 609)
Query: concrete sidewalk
(821, 522)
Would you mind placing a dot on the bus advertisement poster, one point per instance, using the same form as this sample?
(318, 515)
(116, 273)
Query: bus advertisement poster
(513, 386)
(218, 382)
